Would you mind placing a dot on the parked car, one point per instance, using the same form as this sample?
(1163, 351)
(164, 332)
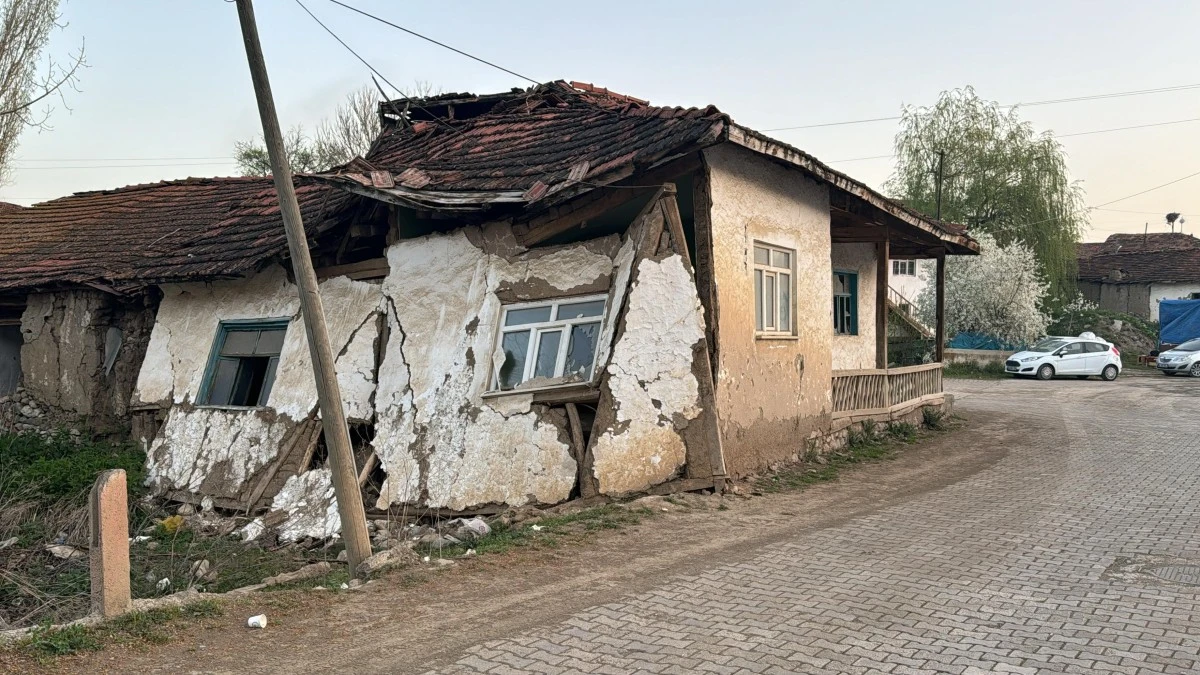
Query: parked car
(1182, 359)
(1081, 357)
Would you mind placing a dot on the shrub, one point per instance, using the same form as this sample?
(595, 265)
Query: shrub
(932, 417)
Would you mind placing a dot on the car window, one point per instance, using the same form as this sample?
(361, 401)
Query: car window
(1046, 346)
(1189, 346)
(1073, 348)
(1096, 347)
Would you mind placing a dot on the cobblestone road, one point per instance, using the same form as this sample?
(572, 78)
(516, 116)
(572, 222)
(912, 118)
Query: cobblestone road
(1003, 572)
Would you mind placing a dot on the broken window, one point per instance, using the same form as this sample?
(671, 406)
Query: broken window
(845, 303)
(773, 289)
(555, 341)
(242, 368)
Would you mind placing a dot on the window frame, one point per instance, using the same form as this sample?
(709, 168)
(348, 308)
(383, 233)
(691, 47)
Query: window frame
(566, 326)
(766, 270)
(904, 267)
(852, 278)
(224, 328)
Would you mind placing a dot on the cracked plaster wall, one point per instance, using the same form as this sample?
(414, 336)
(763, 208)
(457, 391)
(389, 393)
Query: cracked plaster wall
(62, 358)
(772, 393)
(216, 451)
(652, 381)
(441, 442)
(856, 352)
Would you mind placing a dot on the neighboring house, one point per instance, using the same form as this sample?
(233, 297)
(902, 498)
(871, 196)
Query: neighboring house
(1132, 273)
(533, 296)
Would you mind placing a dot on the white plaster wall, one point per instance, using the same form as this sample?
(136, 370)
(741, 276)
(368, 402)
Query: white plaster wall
(772, 393)
(651, 379)
(1173, 291)
(911, 287)
(855, 352)
(216, 450)
(437, 437)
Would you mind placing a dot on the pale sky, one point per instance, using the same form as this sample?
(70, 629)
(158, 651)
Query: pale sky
(168, 85)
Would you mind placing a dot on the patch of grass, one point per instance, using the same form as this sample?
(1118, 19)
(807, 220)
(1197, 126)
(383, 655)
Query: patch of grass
(148, 627)
(865, 444)
(46, 642)
(554, 530)
(61, 467)
(971, 371)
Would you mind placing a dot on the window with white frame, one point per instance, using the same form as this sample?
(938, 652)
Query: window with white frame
(904, 268)
(773, 279)
(552, 340)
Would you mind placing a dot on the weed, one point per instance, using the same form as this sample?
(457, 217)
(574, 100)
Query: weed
(991, 371)
(934, 418)
(45, 642)
(902, 431)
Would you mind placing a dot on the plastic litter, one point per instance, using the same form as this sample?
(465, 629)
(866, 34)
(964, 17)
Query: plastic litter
(163, 584)
(470, 551)
(425, 559)
(536, 528)
(257, 621)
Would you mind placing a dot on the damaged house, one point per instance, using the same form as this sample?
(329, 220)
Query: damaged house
(533, 296)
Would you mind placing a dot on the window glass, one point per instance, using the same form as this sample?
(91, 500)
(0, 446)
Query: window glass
(581, 350)
(239, 343)
(520, 317)
(579, 310)
(547, 353)
(758, 299)
(1095, 347)
(769, 300)
(781, 259)
(785, 302)
(516, 348)
(270, 342)
(1046, 345)
(1073, 348)
(762, 256)
(1189, 346)
(221, 387)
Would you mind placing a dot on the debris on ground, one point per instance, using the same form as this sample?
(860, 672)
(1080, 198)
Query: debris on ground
(65, 552)
(257, 621)
(312, 571)
(399, 556)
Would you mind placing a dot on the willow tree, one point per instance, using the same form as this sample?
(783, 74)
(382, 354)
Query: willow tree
(967, 160)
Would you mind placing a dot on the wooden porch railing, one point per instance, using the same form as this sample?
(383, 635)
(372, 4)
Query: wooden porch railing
(875, 392)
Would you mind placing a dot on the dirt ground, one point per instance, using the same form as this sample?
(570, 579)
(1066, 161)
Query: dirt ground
(406, 623)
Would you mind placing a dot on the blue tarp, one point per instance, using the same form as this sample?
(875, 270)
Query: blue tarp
(1178, 320)
(979, 341)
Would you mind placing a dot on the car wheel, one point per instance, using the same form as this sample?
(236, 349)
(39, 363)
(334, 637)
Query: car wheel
(1045, 372)
(1195, 369)
(1110, 373)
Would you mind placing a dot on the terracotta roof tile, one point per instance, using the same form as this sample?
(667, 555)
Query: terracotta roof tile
(195, 228)
(1127, 243)
(1156, 266)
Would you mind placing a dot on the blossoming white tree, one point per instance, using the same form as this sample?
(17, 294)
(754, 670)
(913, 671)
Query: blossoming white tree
(999, 293)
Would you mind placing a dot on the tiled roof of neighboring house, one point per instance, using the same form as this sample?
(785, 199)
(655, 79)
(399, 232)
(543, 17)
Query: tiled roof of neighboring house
(6, 207)
(1137, 267)
(1128, 243)
(197, 228)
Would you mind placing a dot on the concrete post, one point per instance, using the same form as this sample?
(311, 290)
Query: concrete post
(109, 512)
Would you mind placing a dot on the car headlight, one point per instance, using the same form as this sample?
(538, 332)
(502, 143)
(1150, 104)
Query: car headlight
(1027, 359)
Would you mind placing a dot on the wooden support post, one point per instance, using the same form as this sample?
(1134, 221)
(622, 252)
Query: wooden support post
(939, 331)
(881, 298)
(109, 511)
(329, 397)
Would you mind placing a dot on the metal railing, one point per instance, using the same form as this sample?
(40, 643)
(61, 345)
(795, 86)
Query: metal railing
(868, 392)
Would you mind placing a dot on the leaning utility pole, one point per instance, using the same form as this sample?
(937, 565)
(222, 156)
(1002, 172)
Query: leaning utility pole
(333, 418)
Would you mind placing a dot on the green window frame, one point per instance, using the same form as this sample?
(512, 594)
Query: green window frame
(243, 362)
(845, 303)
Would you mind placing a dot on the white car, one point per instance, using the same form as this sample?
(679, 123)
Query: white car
(1182, 359)
(1082, 357)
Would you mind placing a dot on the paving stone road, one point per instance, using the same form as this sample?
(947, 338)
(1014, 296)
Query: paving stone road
(1006, 571)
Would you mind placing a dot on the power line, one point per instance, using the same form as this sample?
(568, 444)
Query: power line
(1156, 187)
(429, 39)
(113, 159)
(1093, 97)
(1056, 136)
(119, 166)
(1140, 213)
